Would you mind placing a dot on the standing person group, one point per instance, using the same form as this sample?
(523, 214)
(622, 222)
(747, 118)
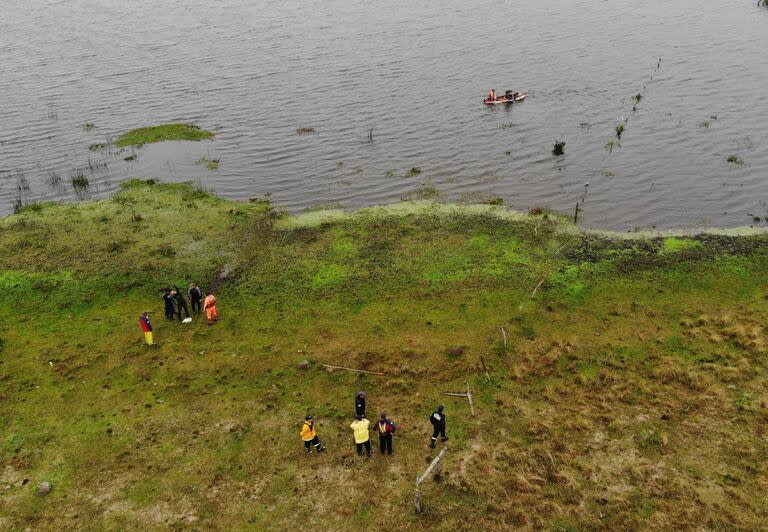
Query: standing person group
(384, 427)
(175, 304)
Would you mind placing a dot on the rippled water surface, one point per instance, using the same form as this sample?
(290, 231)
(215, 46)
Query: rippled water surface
(412, 72)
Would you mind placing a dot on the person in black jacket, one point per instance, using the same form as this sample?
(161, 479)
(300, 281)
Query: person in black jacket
(195, 297)
(181, 303)
(170, 309)
(438, 423)
(385, 428)
(360, 404)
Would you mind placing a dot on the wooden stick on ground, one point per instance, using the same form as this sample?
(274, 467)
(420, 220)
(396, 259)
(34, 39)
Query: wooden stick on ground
(504, 336)
(537, 288)
(352, 369)
(421, 478)
(485, 369)
(454, 394)
(471, 406)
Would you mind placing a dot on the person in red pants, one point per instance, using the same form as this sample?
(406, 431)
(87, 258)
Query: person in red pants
(146, 328)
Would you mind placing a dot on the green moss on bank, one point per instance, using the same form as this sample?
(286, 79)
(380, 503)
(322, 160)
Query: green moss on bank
(630, 393)
(147, 135)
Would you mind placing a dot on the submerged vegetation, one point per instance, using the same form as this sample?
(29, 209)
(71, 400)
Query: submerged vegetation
(414, 171)
(164, 132)
(558, 148)
(210, 164)
(427, 191)
(734, 159)
(79, 182)
(612, 145)
(305, 130)
(617, 383)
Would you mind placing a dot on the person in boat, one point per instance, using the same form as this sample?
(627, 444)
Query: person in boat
(509, 95)
(492, 95)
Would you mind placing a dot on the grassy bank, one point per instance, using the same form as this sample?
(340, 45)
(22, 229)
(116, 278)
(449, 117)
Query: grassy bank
(630, 392)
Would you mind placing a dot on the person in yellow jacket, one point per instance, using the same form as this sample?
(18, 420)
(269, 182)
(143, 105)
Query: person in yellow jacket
(360, 428)
(309, 435)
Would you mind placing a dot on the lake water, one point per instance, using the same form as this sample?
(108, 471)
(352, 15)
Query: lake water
(413, 72)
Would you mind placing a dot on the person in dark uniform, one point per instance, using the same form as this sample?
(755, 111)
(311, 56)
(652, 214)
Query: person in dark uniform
(170, 308)
(438, 424)
(385, 428)
(360, 404)
(181, 303)
(195, 297)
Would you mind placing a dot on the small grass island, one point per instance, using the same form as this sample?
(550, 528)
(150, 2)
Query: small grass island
(163, 132)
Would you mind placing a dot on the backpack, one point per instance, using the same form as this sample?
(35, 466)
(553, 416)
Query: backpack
(391, 424)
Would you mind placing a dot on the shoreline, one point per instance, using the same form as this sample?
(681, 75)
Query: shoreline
(312, 217)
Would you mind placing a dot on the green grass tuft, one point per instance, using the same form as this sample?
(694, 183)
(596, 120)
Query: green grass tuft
(675, 245)
(147, 135)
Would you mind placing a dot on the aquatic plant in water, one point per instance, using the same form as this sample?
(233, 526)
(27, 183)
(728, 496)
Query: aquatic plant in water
(210, 164)
(620, 129)
(305, 130)
(611, 144)
(427, 192)
(80, 182)
(413, 172)
(558, 148)
(735, 159)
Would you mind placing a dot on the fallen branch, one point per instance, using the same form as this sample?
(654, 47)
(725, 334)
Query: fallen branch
(471, 406)
(421, 478)
(352, 369)
(454, 394)
(537, 288)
